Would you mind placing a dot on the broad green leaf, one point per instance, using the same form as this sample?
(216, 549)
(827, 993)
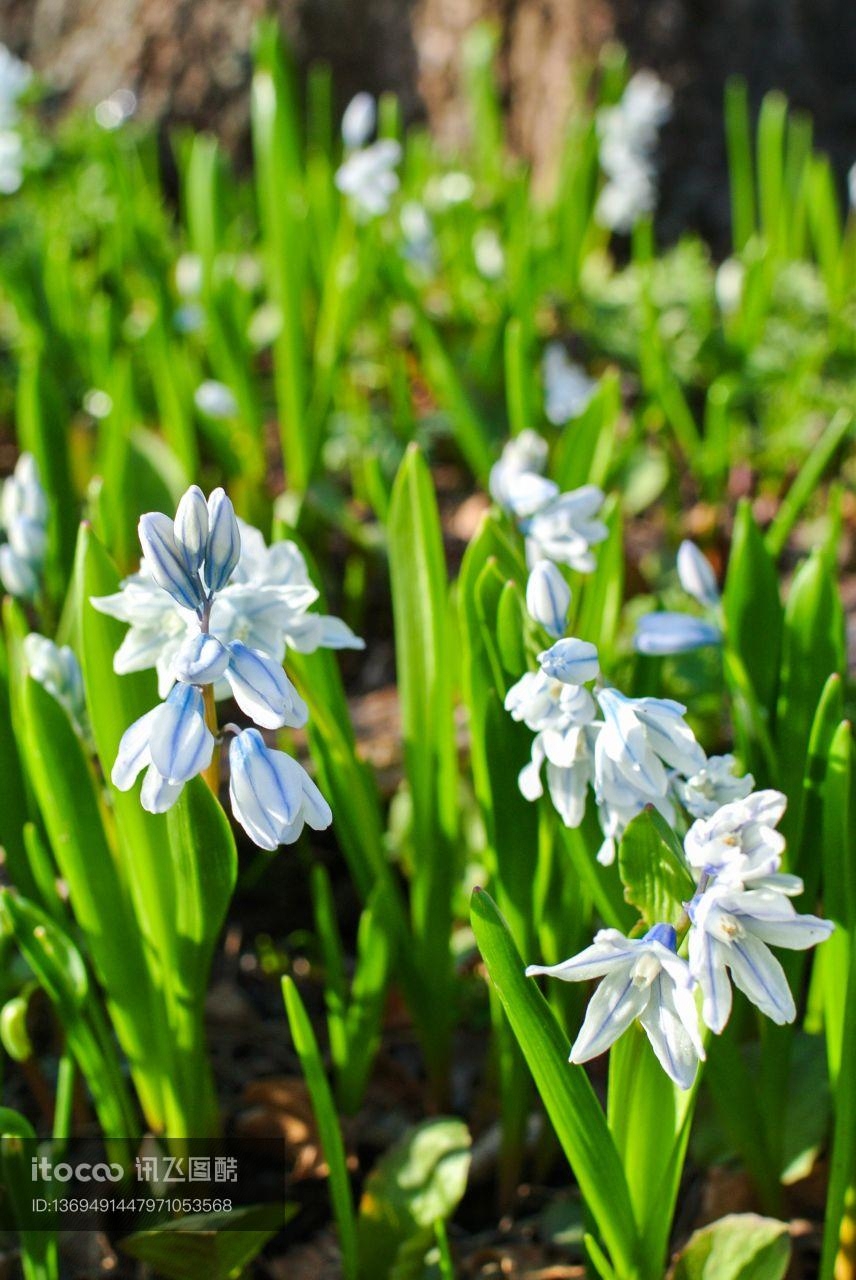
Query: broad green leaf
(741, 1246)
(66, 792)
(655, 877)
(565, 1090)
(60, 969)
(423, 667)
(417, 1182)
(212, 1246)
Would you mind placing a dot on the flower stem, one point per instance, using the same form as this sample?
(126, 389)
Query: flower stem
(212, 773)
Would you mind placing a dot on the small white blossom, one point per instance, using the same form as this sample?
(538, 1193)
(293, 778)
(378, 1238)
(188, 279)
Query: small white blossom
(488, 253)
(359, 120)
(368, 178)
(628, 139)
(732, 931)
(23, 519)
(728, 285)
(15, 79)
(215, 399)
(696, 575)
(57, 669)
(641, 979)
(272, 795)
(567, 387)
(716, 784)
(548, 598)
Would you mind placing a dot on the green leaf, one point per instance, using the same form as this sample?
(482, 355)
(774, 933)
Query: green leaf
(813, 649)
(752, 608)
(61, 971)
(565, 1090)
(215, 1246)
(419, 1181)
(329, 1131)
(655, 876)
(66, 793)
(423, 666)
(741, 1246)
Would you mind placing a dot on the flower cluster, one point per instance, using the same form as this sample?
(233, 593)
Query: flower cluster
(636, 752)
(558, 527)
(665, 633)
(15, 77)
(741, 907)
(213, 609)
(367, 174)
(628, 139)
(24, 521)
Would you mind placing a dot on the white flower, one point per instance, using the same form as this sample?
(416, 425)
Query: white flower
(11, 162)
(628, 138)
(15, 77)
(661, 634)
(272, 795)
(57, 669)
(171, 742)
(264, 606)
(665, 633)
(368, 178)
(714, 785)
(359, 120)
(488, 253)
(566, 528)
(728, 285)
(731, 930)
(567, 387)
(644, 979)
(448, 190)
(420, 246)
(516, 482)
(23, 518)
(215, 399)
(572, 661)
(643, 737)
(548, 597)
(561, 716)
(696, 575)
(851, 186)
(739, 843)
(189, 274)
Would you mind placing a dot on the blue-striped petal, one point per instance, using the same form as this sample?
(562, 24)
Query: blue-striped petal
(262, 689)
(133, 754)
(571, 661)
(191, 527)
(166, 562)
(202, 659)
(664, 633)
(223, 548)
(263, 800)
(181, 743)
(548, 597)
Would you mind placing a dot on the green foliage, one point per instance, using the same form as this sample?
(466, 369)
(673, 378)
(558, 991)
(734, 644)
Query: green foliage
(741, 1246)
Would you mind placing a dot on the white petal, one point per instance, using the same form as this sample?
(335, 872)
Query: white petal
(133, 754)
(262, 689)
(571, 661)
(760, 977)
(696, 575)
(707, 965)
(181, 743)
(156, 794)
(201, 659)
(617, 1002)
